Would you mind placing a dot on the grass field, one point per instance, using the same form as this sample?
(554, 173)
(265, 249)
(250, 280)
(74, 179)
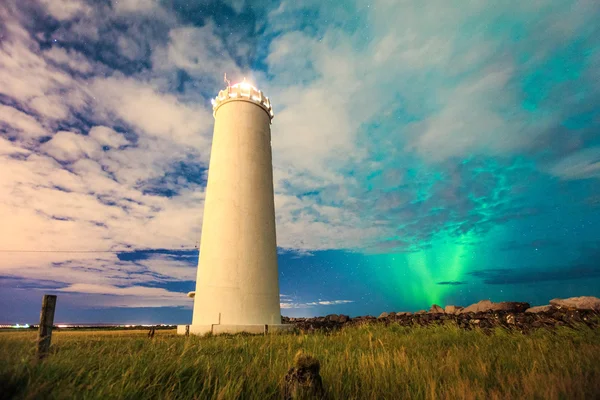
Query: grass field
(368, 362)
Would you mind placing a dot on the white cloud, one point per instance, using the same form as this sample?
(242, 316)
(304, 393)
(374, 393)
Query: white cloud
(290, 304)
(472, 121)
(170, 268)
(51, 107)
(237, 5)
(107, 137)
(24, 124)
(132, 296)
(29, 79)
(579, 165)
(199, 51)
(8, 148)
(66, 9)
(135, 6)
(70, 58)
(121, 291)
(155, 114)
(130, 48)
(329, 84)
(69, 147)
(330, 302)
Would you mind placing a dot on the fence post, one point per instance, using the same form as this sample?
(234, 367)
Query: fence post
(46, 323)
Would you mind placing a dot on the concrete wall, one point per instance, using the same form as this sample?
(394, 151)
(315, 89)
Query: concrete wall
(232, 329)
(237, 281)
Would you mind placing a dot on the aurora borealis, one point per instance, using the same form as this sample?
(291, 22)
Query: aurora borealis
(424, 152)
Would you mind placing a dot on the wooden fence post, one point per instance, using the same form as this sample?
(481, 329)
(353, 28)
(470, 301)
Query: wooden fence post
(46, 323)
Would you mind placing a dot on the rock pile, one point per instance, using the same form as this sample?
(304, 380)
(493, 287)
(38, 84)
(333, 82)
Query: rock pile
(484, 314)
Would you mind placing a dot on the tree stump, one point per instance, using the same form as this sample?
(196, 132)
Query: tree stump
(303, 381)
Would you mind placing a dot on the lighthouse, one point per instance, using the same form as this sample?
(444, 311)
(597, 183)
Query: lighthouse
(237, 284)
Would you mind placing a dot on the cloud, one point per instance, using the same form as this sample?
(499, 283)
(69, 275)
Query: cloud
(579, 165)
(132, 296)
(535, 275)
(585, 266)
(330, 302)
(135, 6)
(7, 148)
(468, 124)
(199, 51)
(289, 304)
(121, 283)
(20, 123)
(394, 124)
(25, 74)
(66, 9)
(69, 147)
(107, 137)
(451, 96)
(155, 114)
(72, 59)
(452, 283)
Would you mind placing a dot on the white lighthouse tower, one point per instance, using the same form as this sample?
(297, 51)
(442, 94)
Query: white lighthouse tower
(237, 285)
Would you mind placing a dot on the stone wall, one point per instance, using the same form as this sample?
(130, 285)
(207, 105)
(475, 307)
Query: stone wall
(484, 315)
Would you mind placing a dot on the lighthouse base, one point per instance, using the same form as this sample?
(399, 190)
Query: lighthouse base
(217, 329)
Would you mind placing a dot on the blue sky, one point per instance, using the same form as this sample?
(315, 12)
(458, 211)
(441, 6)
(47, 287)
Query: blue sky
(423, 152)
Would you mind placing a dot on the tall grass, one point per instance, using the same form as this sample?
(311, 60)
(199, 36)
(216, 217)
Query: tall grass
(367, 362)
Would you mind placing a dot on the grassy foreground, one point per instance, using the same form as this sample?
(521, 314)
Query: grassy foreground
(368, 362)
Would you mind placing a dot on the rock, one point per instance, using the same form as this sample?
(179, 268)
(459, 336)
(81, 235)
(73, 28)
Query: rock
(510, 319)
(383, 315)
(483, 305)
(538, 309)
(512, 306)
(421, 312)
(435, 309)
(579, 303)
(486, 305)
(402, 314)
(332, 317)
(303, 381)
(450, 309)
(342, 319)
(573, 316)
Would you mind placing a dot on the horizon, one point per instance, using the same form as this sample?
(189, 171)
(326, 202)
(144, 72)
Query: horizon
(65, 324)
(440, 153)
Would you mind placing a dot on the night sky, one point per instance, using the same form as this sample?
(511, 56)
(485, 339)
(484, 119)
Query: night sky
(424, 151)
